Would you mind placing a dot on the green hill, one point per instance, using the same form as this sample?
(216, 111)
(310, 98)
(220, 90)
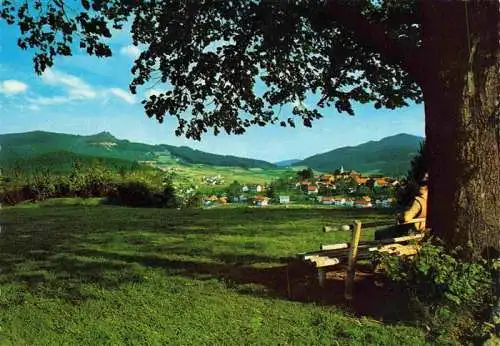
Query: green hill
(390, 156)
(62, 162)
(32, 144)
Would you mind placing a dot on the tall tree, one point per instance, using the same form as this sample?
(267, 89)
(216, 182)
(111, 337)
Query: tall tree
(209, 56)
(306, 173)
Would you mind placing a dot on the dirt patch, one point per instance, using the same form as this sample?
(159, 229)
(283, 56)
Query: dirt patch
(374, 295)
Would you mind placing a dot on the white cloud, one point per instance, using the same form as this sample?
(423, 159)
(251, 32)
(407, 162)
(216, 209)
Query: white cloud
(122, 94)
(49, 101)
(77, 88)
(11, 86)
(130, 51)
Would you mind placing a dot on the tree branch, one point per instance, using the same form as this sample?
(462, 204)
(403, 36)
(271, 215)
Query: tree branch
(375, 34)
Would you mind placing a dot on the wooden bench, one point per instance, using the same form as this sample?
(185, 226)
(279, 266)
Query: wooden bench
(331, 255)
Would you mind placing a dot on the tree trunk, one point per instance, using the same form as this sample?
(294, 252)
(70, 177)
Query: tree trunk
(462, 113)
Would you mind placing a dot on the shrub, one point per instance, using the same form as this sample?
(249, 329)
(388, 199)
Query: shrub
(169, 198)
(97, 186)
(41, 187)
(134, 194)
(62, 189)
(447, 293)
(15, 196)
(193, 201)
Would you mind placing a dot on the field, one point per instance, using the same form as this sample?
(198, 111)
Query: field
(195, 172)
(95, 274)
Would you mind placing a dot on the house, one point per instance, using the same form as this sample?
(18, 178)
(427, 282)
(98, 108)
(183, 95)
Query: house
(367, 198)
(244, 188)
(381, 182)
(327, 200)
(389, 202)
(303, 183)
(312, 189)
(261, 201)
(360, 180)
(384, 203)
(349, 203)
(395, 183)
(361, 203)
(257, 188)
(213, 180)
(284, 199)
(326, 179)
(239, 199)
(209, 200)
(338, 201)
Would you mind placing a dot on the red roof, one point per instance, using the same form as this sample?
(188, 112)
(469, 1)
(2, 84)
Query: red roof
(360, 180)
(381, 181)
(312, 188)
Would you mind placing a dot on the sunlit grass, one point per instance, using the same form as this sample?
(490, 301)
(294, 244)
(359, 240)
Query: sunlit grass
(90, 275)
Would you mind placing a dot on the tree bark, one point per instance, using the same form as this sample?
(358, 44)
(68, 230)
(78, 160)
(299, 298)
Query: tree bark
(461, 87)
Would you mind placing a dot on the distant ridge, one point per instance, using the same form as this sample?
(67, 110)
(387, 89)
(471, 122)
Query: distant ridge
(389, 156)
(105, 145)
(286, 163)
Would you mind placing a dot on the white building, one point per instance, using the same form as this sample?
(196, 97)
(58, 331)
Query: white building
(284, 199)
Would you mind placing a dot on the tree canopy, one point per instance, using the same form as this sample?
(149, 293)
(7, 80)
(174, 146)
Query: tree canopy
(228, 65)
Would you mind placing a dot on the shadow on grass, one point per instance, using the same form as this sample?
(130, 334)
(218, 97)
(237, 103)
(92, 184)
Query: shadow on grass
(289, 280)
(47, 252)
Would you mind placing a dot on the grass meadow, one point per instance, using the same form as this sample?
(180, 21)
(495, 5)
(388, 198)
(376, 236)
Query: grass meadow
(93, 274)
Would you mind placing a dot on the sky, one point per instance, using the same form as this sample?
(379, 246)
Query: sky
(86, 95)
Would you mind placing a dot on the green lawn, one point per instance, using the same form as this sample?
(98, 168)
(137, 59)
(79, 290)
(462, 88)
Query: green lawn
(94, 274)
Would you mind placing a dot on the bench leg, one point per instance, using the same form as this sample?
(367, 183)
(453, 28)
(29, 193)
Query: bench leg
(321, 277)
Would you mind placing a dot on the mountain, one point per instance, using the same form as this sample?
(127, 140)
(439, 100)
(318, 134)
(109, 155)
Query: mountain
(286, 163)
(389, 156)
(29, 145)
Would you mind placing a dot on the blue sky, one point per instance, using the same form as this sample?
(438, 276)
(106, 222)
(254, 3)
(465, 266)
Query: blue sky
(86, 95)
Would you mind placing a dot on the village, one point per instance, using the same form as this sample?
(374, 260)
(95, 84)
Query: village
(347, 189)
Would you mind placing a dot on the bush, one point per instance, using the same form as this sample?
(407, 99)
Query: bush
(133, 194)
(447, 293)
(97, 187)
(169, 199)
(41, 187)
(15, 196)
(193, 201)
(63, 189)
